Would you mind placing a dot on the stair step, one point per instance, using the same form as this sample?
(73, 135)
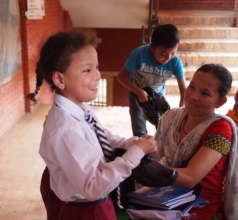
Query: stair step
(199, 13)
(190, 58)
(211, 32)
(207, 36)
(172, 87)
(214, 45)
(197, 17)
(190, 70)
(209, 21)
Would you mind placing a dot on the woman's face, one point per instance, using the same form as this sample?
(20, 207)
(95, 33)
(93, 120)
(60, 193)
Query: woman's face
(202, 96)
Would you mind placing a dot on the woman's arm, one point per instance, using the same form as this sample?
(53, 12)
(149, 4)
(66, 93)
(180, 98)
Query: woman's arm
(216, 143)
(198, 167)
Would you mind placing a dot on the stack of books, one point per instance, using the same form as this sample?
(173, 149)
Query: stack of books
(166, 198)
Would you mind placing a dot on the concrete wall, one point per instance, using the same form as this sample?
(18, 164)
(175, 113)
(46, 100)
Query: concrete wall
(108, 13)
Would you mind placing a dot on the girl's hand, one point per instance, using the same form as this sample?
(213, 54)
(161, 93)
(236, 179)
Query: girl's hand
(147, 144)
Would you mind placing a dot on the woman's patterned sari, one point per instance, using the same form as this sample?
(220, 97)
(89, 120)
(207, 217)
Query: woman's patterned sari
(180, 151)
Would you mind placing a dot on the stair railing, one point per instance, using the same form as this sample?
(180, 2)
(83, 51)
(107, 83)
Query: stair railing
(236, 12)
(153, 21)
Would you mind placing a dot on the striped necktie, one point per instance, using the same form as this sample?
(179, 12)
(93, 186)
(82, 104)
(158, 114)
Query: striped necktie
(106, 148)
(99, 131)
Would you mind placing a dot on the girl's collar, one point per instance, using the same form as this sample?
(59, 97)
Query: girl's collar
(76, 110)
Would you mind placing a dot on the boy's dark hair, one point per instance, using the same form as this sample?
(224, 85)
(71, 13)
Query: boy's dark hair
(165, 35)
(56, 53)
(221, 73)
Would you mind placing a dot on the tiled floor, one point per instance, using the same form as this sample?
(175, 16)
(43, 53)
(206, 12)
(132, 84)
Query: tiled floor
(21, 168)
(21, 165)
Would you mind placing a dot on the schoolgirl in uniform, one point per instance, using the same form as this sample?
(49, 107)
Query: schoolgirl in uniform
(81, 175)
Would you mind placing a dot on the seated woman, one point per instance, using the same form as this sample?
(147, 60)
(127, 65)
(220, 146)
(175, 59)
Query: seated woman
(196, 142)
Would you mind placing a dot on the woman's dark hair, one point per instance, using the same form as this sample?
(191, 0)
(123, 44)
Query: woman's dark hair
(165, 35)
(56, 53)
(221, 73)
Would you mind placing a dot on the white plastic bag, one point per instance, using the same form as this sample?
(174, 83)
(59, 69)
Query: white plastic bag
(155, 214)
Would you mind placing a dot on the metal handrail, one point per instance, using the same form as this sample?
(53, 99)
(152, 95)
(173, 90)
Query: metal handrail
(153, 21)
(236, 12)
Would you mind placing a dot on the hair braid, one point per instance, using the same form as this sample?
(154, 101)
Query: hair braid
(39, 81)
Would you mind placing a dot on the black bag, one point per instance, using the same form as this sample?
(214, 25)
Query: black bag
(148, 173)
(152, 173)
(154, 107)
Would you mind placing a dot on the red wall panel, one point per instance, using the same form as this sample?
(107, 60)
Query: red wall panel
(37, 32)
(115, 46)
(113, 51)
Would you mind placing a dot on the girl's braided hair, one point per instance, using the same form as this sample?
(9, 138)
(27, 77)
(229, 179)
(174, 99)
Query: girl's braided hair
(56, 53)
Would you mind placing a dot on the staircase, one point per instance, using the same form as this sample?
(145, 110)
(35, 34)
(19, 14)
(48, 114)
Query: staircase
(206, 37)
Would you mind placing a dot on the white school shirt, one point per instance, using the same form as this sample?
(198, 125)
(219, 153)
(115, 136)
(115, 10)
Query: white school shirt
(74, 157)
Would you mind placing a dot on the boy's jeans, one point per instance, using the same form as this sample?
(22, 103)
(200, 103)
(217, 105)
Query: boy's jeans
(138, 117)
(138, 121)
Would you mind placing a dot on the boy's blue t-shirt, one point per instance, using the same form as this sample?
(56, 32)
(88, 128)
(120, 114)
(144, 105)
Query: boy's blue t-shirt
(146, 71)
